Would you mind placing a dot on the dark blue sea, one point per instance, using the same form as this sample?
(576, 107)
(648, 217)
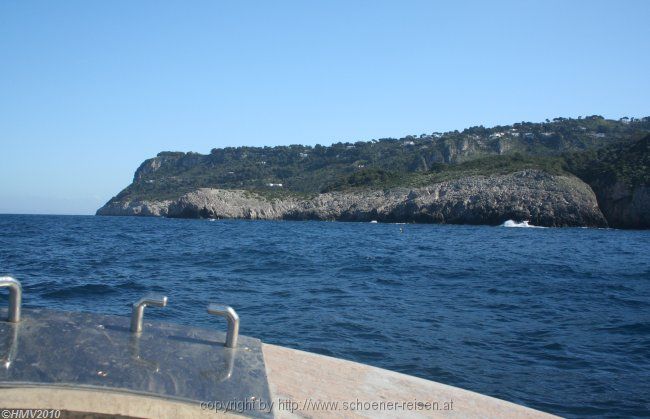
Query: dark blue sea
(554, 319)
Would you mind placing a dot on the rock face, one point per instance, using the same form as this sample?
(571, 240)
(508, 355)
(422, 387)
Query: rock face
(625, 206)
(533, 195)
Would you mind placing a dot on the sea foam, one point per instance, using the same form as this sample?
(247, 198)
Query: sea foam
(513, 223)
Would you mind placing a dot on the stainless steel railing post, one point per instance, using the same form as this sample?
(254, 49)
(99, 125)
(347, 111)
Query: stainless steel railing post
(137, 312)
(233, 322)
(15, 297)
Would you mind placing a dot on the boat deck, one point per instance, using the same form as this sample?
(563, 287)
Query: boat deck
(92, 365)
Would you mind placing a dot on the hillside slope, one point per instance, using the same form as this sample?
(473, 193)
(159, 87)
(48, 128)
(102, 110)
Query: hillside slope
(620, 176)
(375, 175)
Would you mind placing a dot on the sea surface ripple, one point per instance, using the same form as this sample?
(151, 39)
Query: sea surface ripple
(554, 319)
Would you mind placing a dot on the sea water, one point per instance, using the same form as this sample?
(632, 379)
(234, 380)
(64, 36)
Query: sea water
(556, 319)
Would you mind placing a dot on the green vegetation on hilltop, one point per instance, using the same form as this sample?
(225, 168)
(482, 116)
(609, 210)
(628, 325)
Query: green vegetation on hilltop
(440, 172)
(558, 146)
(628, 163)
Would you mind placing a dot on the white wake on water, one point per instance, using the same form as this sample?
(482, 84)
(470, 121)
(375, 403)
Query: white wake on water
(513, 223)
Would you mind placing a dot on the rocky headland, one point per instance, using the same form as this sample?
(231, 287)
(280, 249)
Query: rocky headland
(590, 172)
(533, 195)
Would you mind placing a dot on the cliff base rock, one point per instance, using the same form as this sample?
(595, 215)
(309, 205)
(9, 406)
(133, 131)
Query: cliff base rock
(533, 195)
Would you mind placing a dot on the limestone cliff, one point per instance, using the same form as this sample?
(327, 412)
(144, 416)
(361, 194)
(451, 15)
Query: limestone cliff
(569, 172)
(534, 195)
(625, 206)
(620, 176)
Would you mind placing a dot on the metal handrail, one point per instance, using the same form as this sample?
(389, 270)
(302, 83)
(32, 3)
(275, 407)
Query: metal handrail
(137, 312)
(233, 322)
(15, 297)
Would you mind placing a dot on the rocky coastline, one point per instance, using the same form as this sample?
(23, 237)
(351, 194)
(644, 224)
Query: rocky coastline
(536, 196)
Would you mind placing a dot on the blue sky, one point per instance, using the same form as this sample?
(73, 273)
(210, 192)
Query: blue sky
(90, 89)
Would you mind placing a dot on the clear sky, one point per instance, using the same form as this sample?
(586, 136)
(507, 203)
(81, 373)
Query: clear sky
(89, 89)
